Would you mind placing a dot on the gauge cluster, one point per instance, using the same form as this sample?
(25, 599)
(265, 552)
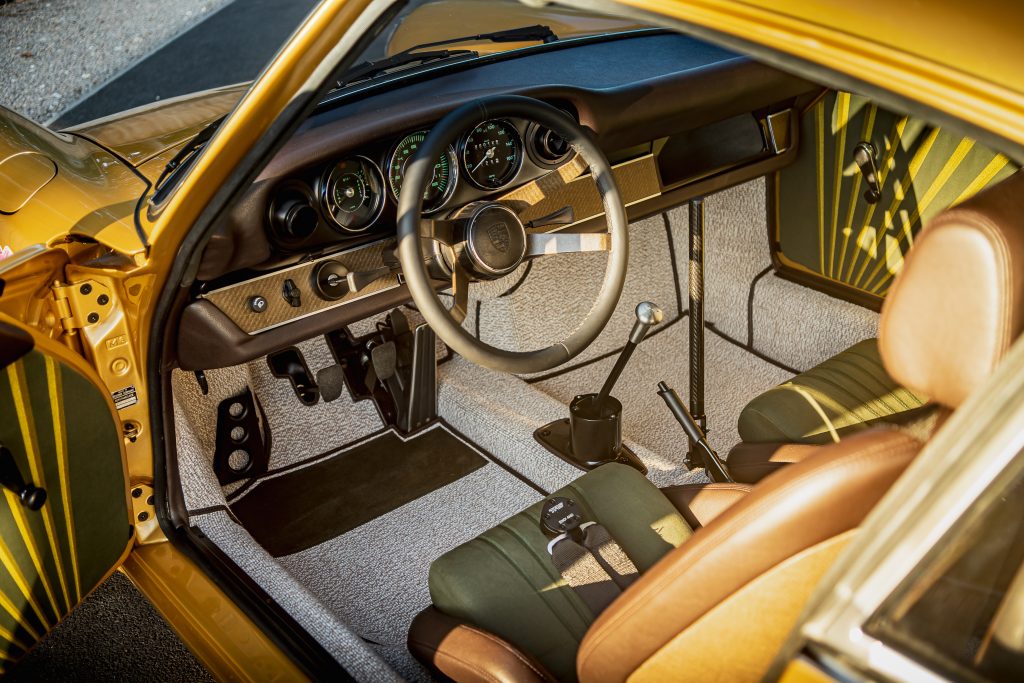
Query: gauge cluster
(356, 194)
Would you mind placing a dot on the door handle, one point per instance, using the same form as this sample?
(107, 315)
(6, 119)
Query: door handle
(864, 157)
(32, 497)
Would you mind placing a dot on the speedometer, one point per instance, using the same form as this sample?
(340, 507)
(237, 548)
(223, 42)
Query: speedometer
(352, 193)
(492, 154)
(442, 183)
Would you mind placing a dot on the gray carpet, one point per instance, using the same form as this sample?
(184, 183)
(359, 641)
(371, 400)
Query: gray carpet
(559, 292)
(369, 583)
(375, 577)
(790, 323)
(296, 598)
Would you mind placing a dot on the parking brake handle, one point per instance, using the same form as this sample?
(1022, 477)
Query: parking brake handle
(712, 464)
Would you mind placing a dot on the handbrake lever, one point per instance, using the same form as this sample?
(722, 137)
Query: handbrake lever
(713, 465)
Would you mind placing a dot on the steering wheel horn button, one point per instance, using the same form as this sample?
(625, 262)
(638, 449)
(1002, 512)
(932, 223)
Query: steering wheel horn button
(495, 241)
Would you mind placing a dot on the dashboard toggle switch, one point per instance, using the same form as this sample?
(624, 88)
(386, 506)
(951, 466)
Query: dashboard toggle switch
(291, 293)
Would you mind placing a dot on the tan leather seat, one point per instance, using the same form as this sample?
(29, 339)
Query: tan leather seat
(970, 252)
(718, 606)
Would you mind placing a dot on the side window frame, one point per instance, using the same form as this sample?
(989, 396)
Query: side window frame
(954, 476)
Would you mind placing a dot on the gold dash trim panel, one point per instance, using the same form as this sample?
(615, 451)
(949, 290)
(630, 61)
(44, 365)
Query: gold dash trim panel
(234, 300)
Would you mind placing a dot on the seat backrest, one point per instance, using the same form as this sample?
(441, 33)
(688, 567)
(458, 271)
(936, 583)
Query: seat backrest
(719, 606)
(956, 306)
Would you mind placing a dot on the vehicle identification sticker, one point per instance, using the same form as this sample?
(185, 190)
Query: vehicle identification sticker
(125, 398)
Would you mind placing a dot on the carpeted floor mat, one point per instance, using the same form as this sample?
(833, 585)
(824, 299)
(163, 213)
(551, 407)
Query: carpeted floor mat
(374, 578)
(301, 508)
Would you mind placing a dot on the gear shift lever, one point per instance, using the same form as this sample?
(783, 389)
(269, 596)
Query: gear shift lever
(647, 314)
(592, 435)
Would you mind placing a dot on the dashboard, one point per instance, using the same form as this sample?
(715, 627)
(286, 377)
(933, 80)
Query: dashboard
(310, 246)
(357, 193)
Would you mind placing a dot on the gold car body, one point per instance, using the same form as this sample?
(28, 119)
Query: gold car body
(961, 65)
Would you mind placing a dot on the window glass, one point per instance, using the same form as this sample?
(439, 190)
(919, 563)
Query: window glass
(961, 612)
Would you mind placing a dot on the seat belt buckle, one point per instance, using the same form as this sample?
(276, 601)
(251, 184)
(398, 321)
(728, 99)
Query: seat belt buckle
(560, 518)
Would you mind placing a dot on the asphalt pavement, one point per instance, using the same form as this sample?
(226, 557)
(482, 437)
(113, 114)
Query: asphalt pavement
(54, 51)
(230, 46)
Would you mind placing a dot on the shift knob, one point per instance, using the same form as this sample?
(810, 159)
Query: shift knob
(647, 314)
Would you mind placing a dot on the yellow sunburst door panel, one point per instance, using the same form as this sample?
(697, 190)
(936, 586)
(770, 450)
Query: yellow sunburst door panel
(864, 183)
(64, 520)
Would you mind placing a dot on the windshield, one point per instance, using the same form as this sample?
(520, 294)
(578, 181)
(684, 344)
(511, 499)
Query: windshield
(467, 26)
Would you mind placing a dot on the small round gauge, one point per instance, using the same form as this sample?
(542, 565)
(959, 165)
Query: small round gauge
(442, 184)
(352, 193)
(492, 154)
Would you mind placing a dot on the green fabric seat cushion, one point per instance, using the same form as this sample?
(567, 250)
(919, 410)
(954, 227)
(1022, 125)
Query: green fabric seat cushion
(845, 393)
(504, 582)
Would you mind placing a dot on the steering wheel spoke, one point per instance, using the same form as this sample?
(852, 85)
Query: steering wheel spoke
(460, 292)
(441, 230)
(545, 243)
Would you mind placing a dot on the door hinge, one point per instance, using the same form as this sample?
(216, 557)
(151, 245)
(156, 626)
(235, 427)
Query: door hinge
(81, 304)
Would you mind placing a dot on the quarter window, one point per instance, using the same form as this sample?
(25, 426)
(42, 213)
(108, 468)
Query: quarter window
(961, 612)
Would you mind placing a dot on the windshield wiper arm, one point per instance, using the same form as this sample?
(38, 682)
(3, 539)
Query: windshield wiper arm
(509, 35)
(405, 58)
(412, 55)
(190, 147)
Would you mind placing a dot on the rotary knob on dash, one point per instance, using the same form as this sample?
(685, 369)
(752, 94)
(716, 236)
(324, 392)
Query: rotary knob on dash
(330, 280)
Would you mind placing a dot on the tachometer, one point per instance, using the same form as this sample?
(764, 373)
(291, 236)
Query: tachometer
(352, 193)
(492, 154)
(442, 184)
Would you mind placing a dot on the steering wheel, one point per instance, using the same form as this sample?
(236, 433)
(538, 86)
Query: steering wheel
(488, 239)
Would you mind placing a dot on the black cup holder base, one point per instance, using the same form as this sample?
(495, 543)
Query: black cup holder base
(557, 437)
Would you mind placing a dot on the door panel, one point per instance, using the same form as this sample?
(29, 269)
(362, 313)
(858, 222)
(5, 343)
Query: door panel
(60, 430)
(824, 231)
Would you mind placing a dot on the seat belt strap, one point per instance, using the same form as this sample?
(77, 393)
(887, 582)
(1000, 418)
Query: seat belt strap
(584, 573)
(610, 554)
(585, 554)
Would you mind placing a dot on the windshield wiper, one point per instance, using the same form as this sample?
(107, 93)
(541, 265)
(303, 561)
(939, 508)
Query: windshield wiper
(412, 55)
(371, 69)
(190, 147)
(509, 35)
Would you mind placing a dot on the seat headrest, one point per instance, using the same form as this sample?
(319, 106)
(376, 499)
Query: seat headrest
(958, 303)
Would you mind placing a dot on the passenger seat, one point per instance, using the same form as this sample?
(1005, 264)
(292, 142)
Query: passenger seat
(846, 393)
(853, 390)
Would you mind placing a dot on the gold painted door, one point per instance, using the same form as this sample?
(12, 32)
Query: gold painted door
(830, 231)
(64, 514)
